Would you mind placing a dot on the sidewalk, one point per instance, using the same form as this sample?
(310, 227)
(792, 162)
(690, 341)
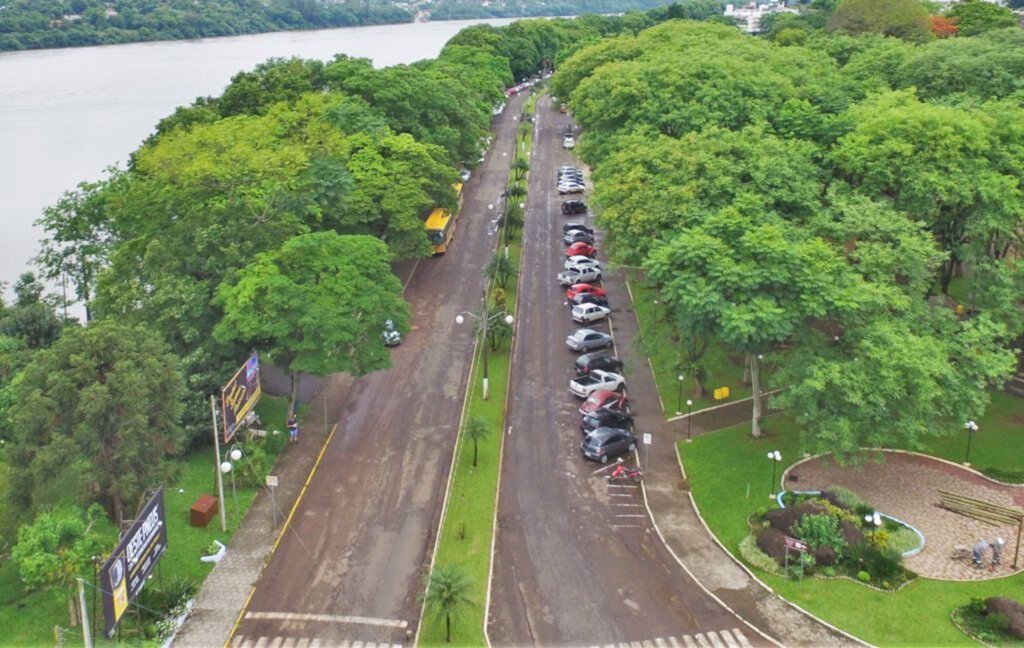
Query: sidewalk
(675, 516)
(226, 590)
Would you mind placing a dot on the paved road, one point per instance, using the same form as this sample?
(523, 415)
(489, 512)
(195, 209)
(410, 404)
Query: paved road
(350, 568)
(577, 561)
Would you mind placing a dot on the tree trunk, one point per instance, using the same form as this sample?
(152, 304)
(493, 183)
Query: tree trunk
(72, 612)
(755, 382)
(448, 627)
(293, 390)
(474, 453)
(746, 369)
(699, 390)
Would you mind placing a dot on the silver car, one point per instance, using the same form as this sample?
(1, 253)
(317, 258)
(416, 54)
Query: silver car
(588, 339)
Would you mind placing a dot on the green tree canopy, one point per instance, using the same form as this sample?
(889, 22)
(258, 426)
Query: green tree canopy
(973, 17)
(96, 419)
(317, 304)
(906, 19)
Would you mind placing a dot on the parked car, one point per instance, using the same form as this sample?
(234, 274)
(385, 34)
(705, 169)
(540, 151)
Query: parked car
(569, 169)
(568, 142)
(390, 335)
(577, 236)
(585, 289)
(584, 386)
(465, 175)
(580, 248)
(580, 261)
(589, 361)
(574, 276)
(588, 339)
(583, 227)
(606, 418)
(604, 399)
(588, 313)
(570, 188)
(574, 207)
(574, 176)
(606, 443)
(588, 298)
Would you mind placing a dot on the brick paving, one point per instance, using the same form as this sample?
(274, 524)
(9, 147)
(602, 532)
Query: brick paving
(906, 486)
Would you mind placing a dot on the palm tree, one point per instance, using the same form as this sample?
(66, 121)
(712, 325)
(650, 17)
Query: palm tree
(476, 429)
(520, 166)
(500, 268)
(448, 590)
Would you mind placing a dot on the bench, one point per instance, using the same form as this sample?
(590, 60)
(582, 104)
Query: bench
(980, 510)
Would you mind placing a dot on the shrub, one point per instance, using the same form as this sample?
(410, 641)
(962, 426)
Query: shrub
(852, 534)
(772, 542)
(820, 531)
(863, 577)
(846, 498)
(880, 538)
(1010, 615)
(756, 558)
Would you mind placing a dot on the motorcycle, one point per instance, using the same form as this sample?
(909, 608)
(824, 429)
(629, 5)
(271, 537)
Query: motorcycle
(623, 474)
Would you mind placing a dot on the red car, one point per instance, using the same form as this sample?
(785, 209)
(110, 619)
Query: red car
(580, 249)
(604, 399)
(579, 289)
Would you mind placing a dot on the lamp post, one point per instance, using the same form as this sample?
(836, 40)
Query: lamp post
(460, 318)
(679, 400)
(875, 521)
(689, 421)
(228, 467)
(971, 428)
(775, 457)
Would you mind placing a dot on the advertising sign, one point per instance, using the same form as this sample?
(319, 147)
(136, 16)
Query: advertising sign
(798, 545)
(239, 396)
(125, 572)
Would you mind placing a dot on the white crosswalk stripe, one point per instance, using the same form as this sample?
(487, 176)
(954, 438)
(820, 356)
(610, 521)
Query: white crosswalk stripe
(713, 638)
(727, 638)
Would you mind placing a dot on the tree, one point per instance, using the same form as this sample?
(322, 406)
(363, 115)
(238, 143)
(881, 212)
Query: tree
(755, 282)
(57, 548)
(500, 268)
(448, 592)
(96, 419)
(973, 17)
(905, 19)
(987, 66)
(520, 166)
(476, 429)
(316, 304)
(943, 27)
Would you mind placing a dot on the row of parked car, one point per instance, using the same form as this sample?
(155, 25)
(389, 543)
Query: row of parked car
(605, 421)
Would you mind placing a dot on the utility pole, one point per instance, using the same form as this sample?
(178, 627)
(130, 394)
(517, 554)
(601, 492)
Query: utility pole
(220, 479)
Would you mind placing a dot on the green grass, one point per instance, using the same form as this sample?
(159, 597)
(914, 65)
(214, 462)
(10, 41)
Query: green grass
(467, 528)
(27, 618)
(661, 344)
(730, 476)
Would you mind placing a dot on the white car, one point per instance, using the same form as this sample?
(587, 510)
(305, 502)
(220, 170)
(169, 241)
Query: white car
(570, 187)
(574, 276)
(597, 379)
(587, 313)
(568, 142)
(580, 261)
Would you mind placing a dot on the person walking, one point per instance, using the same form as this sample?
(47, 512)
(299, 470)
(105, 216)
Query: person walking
(293, 428)
(979, 551)
(997, 551)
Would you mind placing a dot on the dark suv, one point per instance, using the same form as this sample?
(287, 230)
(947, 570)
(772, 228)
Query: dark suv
(574, 207)
(606, 443)
(590, 361)
(605, 418)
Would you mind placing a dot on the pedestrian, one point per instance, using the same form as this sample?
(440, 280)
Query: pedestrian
(997, 550)
(979, 551)
(293, 428)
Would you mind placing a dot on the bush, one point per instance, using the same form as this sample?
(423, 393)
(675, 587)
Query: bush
(845, 498)
(756, 558)
(1006, 614)
(772, 542)
(863, 577)
(820, 531)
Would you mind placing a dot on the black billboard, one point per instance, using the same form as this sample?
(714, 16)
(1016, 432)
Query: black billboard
(239, 396)
(125, 572)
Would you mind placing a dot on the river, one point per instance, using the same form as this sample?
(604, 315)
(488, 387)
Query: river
(68, 114)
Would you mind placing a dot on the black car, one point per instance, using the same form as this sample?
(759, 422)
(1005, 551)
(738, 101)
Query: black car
(588, 298)
(606, 418)
(589, 361)
(606, 443)
(575, 236)
(574, 207)
(567, 227)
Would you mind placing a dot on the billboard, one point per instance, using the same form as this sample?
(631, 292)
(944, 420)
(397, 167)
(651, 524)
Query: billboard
(240, 395)
(125, 572)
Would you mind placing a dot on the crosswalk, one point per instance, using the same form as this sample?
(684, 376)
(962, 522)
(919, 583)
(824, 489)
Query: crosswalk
(712, 639)
(303, 642)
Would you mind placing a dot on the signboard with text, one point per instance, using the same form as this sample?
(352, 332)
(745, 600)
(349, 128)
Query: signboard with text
(125, 572)
(796, 545)
(240, 395)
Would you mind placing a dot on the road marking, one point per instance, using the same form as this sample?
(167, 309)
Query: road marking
(675, 644)
(741, 638)
(690, 643)
(630, 515)
(628, 505)
(727, 638)
(289, 642)
(327, 618)
(620, 494)
(701, 640)
(660, 642)
(713, 637)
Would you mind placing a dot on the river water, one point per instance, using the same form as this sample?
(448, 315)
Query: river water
(68, 114)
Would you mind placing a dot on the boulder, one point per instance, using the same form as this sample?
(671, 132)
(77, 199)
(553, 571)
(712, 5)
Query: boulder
(1011, 609)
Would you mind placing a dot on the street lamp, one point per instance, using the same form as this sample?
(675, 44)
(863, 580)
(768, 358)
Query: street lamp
(689, 420)
(875, 521)
(775, 457)
(971, 428)
(679, 400)
(227, 467)
(460, 318)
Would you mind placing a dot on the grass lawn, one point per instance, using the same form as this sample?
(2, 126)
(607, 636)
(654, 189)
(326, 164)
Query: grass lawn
(467, 529)
(660, 344)
(731, 477)
(28, 618)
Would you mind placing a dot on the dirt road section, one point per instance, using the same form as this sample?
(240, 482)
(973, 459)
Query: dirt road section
(350, 567)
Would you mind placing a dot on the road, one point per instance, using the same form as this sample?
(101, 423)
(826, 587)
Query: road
(577, 561)
(350, 567)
